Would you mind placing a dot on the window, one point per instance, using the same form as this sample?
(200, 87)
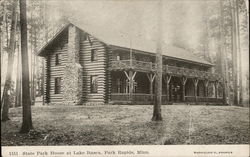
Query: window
(57, 59)
(93, 55)
(57, 85)
(93, 84)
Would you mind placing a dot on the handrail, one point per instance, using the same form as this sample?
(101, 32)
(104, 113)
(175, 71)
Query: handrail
(149, 66)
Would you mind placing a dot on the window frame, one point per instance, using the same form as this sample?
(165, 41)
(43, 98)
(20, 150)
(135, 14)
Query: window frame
(58, 83)
(94, 55)
(94, 85)
(57, 59)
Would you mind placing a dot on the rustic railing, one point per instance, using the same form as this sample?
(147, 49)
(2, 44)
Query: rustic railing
(202, 99)
(164, 99)
(124, 64)
(142, 97)
(143, 66)
(171, 70)
(135, 97)
(120, 96)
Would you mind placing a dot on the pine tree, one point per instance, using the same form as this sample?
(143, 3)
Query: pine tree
(158, 79)
(11, 50)
(27, 119)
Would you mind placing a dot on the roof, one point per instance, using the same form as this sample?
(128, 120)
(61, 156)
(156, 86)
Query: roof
(117, 39)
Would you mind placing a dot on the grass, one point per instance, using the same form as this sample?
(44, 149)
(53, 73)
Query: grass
(129, 125)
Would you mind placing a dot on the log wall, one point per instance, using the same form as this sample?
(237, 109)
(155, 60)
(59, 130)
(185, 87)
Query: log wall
(93, 68)
(52, 71)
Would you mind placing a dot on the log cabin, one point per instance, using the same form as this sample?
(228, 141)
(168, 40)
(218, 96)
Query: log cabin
(87, 67)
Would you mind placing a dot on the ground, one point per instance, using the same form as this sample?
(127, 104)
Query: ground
(127, 125)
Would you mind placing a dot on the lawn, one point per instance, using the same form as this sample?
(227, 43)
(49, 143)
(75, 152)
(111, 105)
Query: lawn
(127, 125)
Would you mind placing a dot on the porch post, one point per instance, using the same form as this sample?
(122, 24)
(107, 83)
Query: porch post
(206, 89)
(151, 80)
(130, 84)
(195, 80)
(216, 89)
(167, 85)
(130, 77)
(167, 79)
(183, 82)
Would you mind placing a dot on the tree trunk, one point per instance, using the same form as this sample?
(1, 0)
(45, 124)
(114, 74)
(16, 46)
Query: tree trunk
(223, 57)
(11, 50)
(158, 79)
(1, 62)
(18, 80)
(5, 36)
(239, 53)
(234, 55)
(46, 40)
(6, 29)
(34, 81)
(27, 120)
(31, 56)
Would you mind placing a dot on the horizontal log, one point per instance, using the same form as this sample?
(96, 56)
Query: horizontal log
(87, 59)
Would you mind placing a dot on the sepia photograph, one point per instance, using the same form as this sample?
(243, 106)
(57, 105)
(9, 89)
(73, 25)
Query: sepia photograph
(143, 78)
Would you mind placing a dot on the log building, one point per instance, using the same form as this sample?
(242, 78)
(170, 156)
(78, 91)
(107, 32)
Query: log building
(84, 67)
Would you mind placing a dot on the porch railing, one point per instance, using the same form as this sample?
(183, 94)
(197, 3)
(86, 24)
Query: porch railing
(172, 70)
(202, 99)
(141, 97)
(120, 96)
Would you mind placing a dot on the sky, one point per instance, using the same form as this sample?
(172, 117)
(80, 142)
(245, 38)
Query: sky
(138, 17)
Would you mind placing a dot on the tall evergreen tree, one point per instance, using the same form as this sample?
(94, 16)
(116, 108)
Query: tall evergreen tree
(158, 79)
(235, 54)
(223, 61)
(18, 99)
(11, 50)
(27, 119)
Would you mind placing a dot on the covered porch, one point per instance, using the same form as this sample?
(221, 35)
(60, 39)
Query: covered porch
(131, 86)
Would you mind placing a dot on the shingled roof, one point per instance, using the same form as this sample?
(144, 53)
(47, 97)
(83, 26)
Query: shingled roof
(116, 39)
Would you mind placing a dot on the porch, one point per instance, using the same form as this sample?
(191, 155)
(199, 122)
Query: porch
(135, 84)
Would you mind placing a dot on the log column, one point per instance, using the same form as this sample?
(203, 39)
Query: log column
(206, 89)
(195, 81)
(151, 78)
(216, 89)
(183, 82)
(167, 79)
(130, 76)
(130, 85)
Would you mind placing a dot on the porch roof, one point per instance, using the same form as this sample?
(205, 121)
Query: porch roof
(113, 38)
